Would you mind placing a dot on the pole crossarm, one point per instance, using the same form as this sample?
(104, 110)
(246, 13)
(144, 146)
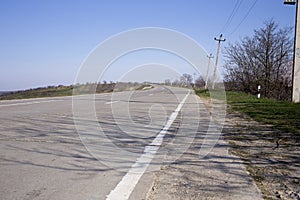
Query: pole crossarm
(290, 2)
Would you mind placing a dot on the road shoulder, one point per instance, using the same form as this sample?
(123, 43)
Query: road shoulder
(219, 175)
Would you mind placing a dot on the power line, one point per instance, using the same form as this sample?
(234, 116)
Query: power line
(244, 18)
(231, 16)
(236, 7)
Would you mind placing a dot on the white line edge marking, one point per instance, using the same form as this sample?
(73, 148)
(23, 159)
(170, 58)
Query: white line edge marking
(111, 102)
(125, 187)
(27, 103)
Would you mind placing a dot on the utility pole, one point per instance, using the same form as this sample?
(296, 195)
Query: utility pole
(207, 72)
(217, 58)
(296, 68)
(194, 79)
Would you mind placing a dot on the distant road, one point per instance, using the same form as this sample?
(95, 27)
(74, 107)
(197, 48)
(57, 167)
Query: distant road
(43, 157)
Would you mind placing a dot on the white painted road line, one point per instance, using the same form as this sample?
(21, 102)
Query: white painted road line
(26, 103)
(111, 102)
(125, 187)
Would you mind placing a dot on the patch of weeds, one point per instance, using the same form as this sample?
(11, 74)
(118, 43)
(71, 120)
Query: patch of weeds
(203, 93)
(255, 173)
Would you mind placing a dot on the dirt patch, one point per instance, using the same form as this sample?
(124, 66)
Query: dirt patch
(272, 157)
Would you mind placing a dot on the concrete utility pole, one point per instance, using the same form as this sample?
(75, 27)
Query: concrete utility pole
(207, 72)
(217, 58)
(296, 68)
(194, 80)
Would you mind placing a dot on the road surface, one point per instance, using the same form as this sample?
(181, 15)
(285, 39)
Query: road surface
(110, 152)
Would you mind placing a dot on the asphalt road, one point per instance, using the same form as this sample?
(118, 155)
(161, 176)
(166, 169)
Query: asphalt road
(94, 146)
(43, 157)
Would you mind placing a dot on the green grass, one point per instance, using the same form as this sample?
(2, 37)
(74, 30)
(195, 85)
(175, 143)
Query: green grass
(39, 92)
(202, 92)
(282, 115)
(57, 91)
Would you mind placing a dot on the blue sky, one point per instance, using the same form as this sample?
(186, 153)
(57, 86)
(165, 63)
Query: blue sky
(45, 42)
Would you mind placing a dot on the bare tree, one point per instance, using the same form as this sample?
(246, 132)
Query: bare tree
(199, 82)
(176, 82)
(187, 79)
(263, 59)
(167, 82)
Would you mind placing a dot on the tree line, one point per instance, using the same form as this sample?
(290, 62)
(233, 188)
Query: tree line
(186, 80)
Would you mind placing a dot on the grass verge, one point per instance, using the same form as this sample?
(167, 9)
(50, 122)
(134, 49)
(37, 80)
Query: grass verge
(57, 91)
(39, 93)
(282, 115)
